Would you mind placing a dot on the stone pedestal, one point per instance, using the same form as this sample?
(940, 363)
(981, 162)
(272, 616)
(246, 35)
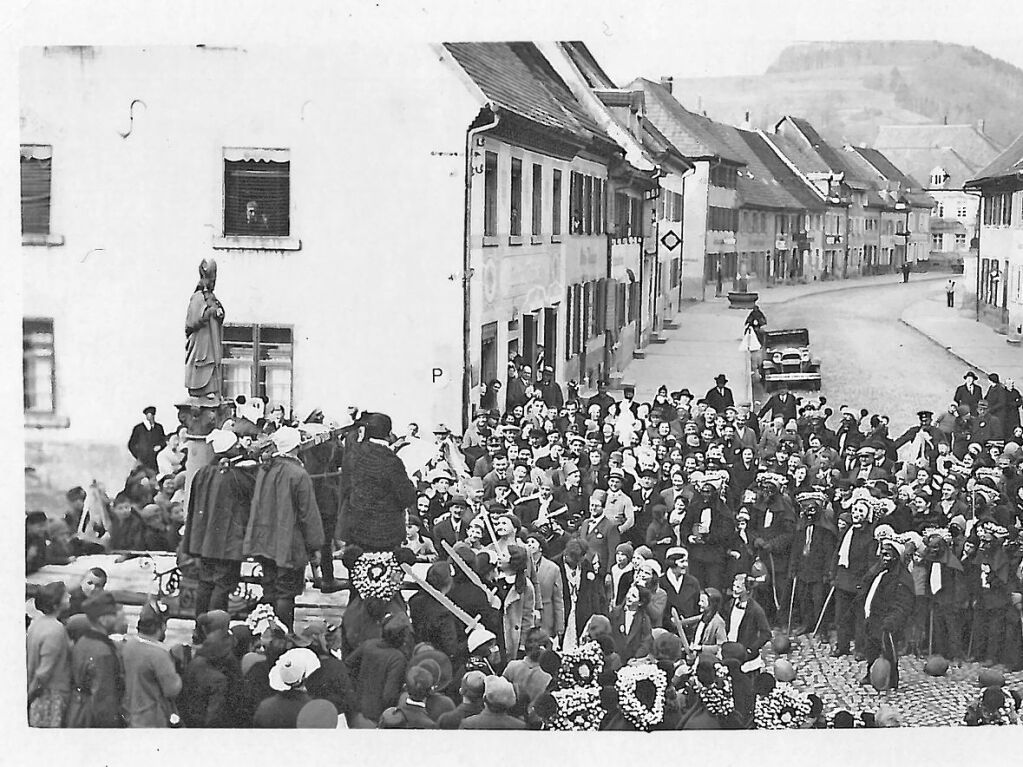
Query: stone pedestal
(200, 416)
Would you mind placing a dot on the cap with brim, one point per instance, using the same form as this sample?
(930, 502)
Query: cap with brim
(457, 501)
(599, 496)
(970, 374)
(676, 552)
(478, 637)
(924, 413)
(616, 474)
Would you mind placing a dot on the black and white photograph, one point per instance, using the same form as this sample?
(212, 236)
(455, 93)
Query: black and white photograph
(596, 368)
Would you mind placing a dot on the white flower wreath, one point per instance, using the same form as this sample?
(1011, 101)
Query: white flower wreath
(581, 667)
(578, 710)
(784, 708)
(262, 618)
(376, 574)
(637, 713)
(717, 696)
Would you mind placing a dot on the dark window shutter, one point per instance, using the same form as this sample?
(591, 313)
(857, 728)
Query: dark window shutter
(35, 196)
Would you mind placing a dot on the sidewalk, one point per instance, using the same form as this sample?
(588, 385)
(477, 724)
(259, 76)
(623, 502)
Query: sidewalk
(705, 344)
(780, 293)
(955, 330)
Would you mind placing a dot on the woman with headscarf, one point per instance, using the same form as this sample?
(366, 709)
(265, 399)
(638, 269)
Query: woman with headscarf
(204, 324)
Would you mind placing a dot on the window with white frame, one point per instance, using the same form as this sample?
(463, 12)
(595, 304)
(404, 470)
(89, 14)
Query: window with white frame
(936, 242)
(960, 240)
(961, 212)
(37, 366)
(258, 362)
(257, 192)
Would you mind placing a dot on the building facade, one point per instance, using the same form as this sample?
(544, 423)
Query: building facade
(339, 266)
(997, 277)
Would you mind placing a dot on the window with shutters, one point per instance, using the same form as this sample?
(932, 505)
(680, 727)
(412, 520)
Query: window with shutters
(490, 196)
(556, 203)
(577, 324)
(36, 168)
(537, 199)
(636, 218)
(575, 205)
(587, 322)
(257, 200)
(258, 362)
(598, 205)
(515, 199)
(37, 366)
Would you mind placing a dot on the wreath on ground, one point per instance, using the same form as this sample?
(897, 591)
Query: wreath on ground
(783, 708)
(578, 710)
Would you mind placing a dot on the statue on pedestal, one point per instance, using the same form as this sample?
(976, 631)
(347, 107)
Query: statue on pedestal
(204, 324)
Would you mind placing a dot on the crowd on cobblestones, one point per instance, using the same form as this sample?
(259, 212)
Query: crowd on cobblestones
(573, 563)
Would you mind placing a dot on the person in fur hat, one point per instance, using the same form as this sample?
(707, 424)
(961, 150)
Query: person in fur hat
(375, 488)
(773, 525)
(813, 549)
(944, 592)
(887, 606)
(706, 531)
(855, 555)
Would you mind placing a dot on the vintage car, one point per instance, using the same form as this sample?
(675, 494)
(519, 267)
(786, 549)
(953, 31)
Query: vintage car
(786, 360)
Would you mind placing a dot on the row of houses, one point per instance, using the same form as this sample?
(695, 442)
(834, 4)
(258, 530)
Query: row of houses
(390, 231)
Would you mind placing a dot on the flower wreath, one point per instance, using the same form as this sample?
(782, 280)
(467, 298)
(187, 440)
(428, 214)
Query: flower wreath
(375, 574)
(1005, 714)
(717, 696)
(784, 708)
(581, 667)
(262, 618)
(578, 710)
(632, 708)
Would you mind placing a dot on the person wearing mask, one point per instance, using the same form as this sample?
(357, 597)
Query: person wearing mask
(284, 531)
(151, 682)
(854, 557)
(887, 608)
(49, 659)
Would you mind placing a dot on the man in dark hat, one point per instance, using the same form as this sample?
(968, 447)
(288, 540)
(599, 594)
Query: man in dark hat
(969, 393)
(781, 403)
(550, 392)
(323, 462)
(601, 399)
(924, 437)
(997, 400)
(150, 678)
(720, 396)
(147, 439)
(375, 489)
(629, 398)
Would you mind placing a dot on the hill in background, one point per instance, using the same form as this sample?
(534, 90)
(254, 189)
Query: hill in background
(848, 89)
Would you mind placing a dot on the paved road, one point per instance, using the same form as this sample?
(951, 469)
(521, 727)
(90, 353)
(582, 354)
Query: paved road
(868, 358)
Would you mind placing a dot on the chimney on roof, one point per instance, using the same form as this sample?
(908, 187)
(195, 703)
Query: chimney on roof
(746, 124)
(667, 83)
(980, 125)
(944, 120)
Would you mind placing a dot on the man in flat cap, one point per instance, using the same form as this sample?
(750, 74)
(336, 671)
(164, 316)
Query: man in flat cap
(923, 437)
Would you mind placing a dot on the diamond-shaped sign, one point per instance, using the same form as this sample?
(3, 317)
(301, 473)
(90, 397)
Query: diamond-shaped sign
(671, 240)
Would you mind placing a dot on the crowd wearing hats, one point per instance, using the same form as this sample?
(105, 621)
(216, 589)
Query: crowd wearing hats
(615, 564)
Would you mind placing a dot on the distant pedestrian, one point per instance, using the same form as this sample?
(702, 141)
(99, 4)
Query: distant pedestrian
(905, 272)
(147, 439)
(950, 293)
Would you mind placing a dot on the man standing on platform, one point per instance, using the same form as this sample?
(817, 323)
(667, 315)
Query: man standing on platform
(147, 439)
(284, 533)
(219, 505)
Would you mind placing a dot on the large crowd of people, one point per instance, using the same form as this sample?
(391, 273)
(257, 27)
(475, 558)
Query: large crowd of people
(567, 563)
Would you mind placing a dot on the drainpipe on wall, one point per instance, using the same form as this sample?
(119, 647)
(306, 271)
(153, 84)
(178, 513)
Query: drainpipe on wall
(682, 242)
(470, 137)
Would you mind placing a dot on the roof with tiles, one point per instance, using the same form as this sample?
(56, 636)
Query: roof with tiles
(919, 163)
(781, 172)
(694, 136)
(1008, 163)
(830, 156)
(756, 185)
(975, 148)
(516, 77)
